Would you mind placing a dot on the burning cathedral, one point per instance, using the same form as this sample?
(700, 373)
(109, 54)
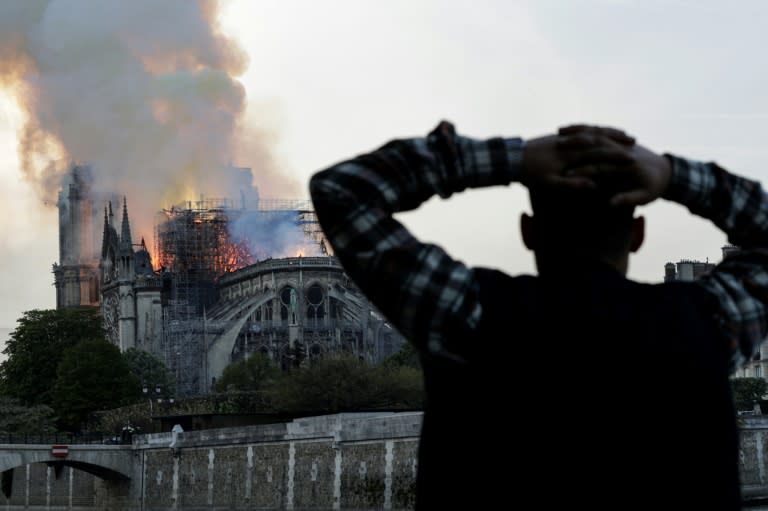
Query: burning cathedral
(223, 279)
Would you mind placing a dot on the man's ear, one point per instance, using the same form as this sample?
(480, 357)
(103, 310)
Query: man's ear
(528, 231)
(638, 234)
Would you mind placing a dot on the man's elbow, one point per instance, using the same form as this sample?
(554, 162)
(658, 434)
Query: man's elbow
(317, 188)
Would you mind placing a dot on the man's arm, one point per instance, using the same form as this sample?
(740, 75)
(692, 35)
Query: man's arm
(429, 296)
(739, 207)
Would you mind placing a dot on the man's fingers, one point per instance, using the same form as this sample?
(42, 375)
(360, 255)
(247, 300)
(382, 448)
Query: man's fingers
(573, 129)
(601, 155)
(630, 198)
(585, 143)
(577, 141)
(594, 171)
(574, 182)
(617, 135)
(598, 171)
(583, 171)
(614, 134)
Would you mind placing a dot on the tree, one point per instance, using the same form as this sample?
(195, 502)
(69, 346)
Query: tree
(332, 384)
(253, 373)
(748, 391)
(36, 346)
(18, 419)
(92, 376)
(345, 383)
(406, 357)
(149, 370)
(399, 386)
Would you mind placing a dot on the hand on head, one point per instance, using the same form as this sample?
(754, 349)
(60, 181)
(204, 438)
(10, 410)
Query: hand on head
(589, 157)
(639, 175)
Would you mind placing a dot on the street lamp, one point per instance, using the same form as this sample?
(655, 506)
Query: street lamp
(145, 391)
(166, 403)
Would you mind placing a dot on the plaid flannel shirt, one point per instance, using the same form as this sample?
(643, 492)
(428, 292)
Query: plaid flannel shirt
(433, 299)
(739, 207)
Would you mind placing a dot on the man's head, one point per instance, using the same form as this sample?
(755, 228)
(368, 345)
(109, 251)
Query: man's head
(569, 223)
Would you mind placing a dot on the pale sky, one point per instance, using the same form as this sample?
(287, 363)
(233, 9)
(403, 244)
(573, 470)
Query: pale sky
(329, 80)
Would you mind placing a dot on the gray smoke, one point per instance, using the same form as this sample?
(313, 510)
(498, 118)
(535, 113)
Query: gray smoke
(273, 234)
(143, 91)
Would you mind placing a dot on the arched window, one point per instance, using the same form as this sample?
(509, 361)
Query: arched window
(288, 305)
(315, 302)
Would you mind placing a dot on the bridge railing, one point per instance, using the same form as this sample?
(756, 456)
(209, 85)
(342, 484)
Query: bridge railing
(64, 438)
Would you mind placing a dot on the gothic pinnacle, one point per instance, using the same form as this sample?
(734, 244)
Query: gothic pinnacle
(125, 229)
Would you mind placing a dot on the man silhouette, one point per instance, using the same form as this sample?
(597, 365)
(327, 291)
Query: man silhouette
(576, 387)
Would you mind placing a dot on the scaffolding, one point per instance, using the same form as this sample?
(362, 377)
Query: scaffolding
(194, 248)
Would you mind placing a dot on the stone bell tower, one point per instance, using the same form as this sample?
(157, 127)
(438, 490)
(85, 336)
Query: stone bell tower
(76, 275)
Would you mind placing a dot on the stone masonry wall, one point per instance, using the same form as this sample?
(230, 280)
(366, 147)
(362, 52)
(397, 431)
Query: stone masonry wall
(35, 486)
(346, 461)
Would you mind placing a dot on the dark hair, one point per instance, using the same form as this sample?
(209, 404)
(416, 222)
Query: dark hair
(580, 220)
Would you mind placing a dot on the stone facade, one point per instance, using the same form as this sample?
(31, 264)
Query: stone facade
(346, 461)
(295, 308)
(130, 289)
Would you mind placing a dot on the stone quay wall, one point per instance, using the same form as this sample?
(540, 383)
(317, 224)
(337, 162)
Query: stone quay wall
(344, 461)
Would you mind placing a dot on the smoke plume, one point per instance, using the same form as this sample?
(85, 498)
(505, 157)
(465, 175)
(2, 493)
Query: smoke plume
(142, 91)
(273, 234)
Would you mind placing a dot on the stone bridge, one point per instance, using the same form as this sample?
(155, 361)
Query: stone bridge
(109, 462)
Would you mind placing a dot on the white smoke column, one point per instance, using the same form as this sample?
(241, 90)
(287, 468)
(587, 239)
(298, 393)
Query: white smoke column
(143, 91)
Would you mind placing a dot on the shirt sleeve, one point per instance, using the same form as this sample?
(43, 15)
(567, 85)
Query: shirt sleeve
(430, 297)
(739, 207)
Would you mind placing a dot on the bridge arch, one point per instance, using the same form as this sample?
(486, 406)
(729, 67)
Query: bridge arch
(112, 463)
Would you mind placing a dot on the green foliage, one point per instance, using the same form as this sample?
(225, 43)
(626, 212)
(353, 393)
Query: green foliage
(399, 387)
(406, 357)
(18, 419)
(149, 370)
(36, 347)
(747, 391)
(253, 373)
(344, 383)
(329, 385)
(92, 376)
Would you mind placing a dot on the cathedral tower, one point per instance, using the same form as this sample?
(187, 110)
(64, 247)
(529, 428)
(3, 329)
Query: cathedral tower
(76, 274)
(130, 304)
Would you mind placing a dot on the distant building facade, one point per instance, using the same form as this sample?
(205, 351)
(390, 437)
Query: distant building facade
(686, 270)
